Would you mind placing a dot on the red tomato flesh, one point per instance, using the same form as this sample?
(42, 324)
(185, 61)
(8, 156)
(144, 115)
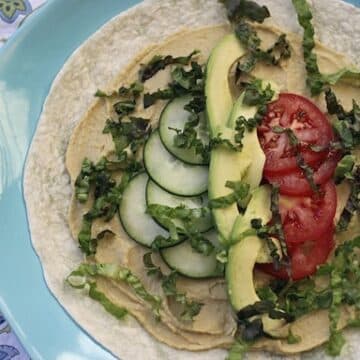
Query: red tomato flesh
(308, 217)
(305, 257)
(295, 183)
(309, 125)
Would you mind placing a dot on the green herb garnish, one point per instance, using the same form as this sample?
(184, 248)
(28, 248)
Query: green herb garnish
(277, 228)
(347, 124)
(133, 91)
(344, 168)
(131, 133)
(188, 218)
(240, 192)
(304, 167)
(238, 9)
(105, 205)
(353, 203)
(238, 350)
(184, 82)
(168, 283)
(266, 232)
(158, 63)
(86, 274)
(190, 308)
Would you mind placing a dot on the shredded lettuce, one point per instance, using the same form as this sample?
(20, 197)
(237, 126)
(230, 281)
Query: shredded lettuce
(86, 274)
(344, 168)
(238, 350)
(190, 308)
(316, 81)
(240, 192)
(188, 217)
(158, 63)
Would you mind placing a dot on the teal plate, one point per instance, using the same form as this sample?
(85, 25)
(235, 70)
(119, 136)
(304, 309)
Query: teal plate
(28, 64)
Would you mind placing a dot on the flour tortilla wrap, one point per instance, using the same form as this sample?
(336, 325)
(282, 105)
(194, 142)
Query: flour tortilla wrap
(106, 61)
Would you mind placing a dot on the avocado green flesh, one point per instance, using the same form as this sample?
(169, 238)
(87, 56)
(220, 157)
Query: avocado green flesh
(239, 277)
(225, 165)
(259, 207)
(217, 90)
(251, 145)
(245, 165)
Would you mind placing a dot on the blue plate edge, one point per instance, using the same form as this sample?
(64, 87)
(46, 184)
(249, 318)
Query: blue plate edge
(28, 24)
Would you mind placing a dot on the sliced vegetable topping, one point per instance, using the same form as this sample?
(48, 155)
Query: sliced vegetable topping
(137, 223)
(158, 63)
(86, 274)
(183, 130)
(190, 308)
(308, 217)
(172, 174)
(307, 123)
(304, 257)
(295, 183)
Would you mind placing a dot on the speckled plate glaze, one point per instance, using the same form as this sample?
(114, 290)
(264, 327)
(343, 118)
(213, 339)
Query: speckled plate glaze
(28, 64)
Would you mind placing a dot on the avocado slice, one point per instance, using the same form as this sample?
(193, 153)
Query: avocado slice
(259, 207)
(217, 90)
(245, 165)
(225, 165)
(239, 277)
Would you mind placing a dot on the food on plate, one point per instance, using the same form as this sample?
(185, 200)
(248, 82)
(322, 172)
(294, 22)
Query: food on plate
(216, 189)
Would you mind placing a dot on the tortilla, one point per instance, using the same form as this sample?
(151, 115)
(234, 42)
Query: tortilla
(46, 174)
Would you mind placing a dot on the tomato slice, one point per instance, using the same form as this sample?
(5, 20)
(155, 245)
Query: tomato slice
(304, 258)
(308, 217)
(308, 123)
(296, 184)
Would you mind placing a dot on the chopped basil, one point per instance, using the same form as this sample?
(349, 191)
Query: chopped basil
(133, 91)
(187, 137)
(278, 230)
(249, 38)
(240, 192)
(238, 350)
(106, 203)
(188, 217)
(252, 329)
(295, 143)
(266, 232)
(315, 80)
(149, 265)
(190, 308)
(238, 9)
(183, 82)
(353, 203)
(347, 124)
(168, 283)
(267, 294)
(255, 95)
(344, 168)
(342, 276)
(158, 63)
(131, 133)
(86, 274)
(292, 338)
(113, 309)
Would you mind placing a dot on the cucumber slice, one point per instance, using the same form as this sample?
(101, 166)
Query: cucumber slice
(138, 225)
(175, 116)
(172, 174)
(190, 263)
(156, 195)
